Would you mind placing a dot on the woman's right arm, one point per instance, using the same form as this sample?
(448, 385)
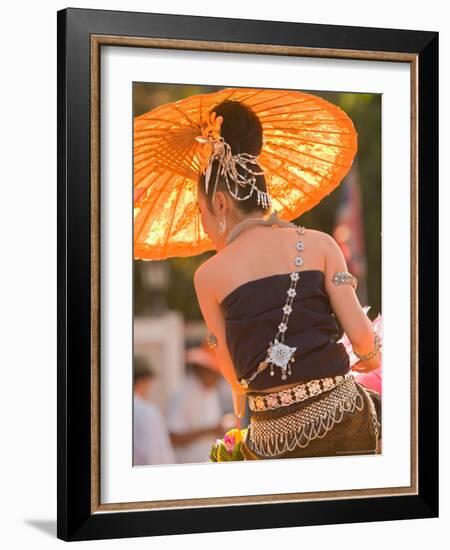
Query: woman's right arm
(347, 308)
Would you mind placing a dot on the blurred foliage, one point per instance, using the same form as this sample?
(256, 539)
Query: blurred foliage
(365, 112)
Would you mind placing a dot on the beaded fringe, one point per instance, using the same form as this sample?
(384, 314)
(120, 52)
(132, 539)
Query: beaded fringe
(275, 436)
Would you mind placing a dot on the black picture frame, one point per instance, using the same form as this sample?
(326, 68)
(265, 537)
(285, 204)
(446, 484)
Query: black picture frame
(79, 516)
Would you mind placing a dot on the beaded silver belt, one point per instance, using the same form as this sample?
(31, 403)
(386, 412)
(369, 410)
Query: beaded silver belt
(277, 435)
(288, 396)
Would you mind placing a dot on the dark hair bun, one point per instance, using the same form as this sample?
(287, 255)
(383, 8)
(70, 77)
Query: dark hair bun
(241, 127)
(242, 130)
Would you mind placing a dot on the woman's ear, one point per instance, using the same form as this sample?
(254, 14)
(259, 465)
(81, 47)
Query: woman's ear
(219, 204)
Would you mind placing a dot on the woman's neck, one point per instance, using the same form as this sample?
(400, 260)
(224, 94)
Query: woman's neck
(268, 221)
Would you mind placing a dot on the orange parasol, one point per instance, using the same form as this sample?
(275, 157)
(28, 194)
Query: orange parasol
(308, 147)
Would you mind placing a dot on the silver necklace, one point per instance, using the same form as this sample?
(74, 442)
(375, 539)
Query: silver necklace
(273, 219)
(278, 353)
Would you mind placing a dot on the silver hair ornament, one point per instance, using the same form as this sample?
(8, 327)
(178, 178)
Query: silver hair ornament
(227, 168)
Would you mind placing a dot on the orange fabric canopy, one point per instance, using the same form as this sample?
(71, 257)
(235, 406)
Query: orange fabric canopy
(308, 147)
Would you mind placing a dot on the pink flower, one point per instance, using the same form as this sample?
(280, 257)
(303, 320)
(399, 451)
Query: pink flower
(372, 379)
(229, 442)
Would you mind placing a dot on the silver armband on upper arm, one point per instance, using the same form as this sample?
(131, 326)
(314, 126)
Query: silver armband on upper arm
(345, 278)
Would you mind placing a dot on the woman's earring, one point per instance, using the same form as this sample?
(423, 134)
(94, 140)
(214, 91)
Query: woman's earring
(222, 226)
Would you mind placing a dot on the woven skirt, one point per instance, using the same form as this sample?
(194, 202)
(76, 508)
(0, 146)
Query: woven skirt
(344, 420)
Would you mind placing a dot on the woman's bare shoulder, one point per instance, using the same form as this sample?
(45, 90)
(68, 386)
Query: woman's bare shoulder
(203, 269)
(331, 246)
(320, 238)
(329, 249)
(206, 271)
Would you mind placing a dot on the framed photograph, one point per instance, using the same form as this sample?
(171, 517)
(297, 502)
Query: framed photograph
(247, 274)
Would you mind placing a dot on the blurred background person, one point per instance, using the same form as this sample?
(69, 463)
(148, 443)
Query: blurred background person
(195, 410)
(151, 444)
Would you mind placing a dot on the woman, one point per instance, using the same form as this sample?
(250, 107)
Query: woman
(270, 298)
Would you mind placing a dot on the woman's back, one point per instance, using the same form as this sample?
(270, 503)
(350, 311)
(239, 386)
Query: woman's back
(251, 280)
(262, 251)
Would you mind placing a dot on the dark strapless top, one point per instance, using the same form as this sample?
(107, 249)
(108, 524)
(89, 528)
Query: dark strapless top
(252, 314)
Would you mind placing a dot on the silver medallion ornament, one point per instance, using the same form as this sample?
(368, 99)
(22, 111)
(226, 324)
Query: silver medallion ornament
(280, 355)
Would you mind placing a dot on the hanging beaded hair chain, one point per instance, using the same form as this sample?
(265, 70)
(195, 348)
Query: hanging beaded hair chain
(228, 163)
